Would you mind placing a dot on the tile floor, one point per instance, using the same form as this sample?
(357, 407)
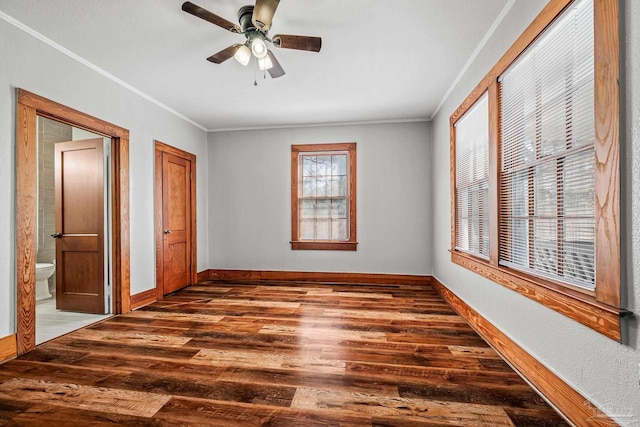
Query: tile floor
(52, 323)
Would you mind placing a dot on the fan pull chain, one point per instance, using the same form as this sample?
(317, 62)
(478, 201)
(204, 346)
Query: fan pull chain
(255, 73)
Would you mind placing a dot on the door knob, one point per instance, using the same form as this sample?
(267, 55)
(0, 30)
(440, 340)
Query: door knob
(56, 235)
(167, 231)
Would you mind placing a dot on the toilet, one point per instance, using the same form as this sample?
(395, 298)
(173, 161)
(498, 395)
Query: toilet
(43, 272)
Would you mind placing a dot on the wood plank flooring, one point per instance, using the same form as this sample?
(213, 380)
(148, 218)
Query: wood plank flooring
(273, 354)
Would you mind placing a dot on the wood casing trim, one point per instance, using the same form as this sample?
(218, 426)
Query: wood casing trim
(324, 246)
(28, 107)
(607, 151)
(8, 348)
(143, 298)
(565, 398)
(311, 276)
(120, 232)
(573, 304)
(161, 147)
(26, 191)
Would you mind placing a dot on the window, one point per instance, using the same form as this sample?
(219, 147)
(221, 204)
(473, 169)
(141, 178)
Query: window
(323, 197)
(544, 218)
(472, 180)
(547, 222)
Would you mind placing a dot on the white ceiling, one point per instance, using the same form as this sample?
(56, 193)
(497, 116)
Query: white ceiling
(381, 60)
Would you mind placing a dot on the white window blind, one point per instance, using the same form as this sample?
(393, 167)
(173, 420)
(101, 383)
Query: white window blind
(472, 180)
(547, 180)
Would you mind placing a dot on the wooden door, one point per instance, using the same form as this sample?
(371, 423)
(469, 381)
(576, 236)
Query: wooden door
(79, 202)
(176, 222)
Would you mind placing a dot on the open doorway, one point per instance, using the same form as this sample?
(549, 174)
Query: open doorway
(29, 108)
(73, 258)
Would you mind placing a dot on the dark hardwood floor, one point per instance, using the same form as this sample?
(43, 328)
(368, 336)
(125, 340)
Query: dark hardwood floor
(273, 354)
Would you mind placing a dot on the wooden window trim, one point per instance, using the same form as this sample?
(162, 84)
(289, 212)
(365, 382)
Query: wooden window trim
(601, 309)
(323, 245)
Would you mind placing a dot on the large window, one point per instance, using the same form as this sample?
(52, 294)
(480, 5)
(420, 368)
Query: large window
(547, 222)
(544, 219)
(472, 180)
(323, 196)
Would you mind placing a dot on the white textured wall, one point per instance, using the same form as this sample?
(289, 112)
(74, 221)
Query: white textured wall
(32, 65)
(603, 370)
(250, 199)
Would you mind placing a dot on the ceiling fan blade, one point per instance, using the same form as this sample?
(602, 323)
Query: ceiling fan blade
(263, 14)
(275, 71)
(224, 54)
(286, 41)
(202, 13)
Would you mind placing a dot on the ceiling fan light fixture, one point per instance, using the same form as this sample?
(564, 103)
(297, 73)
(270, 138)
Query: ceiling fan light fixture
(265, 63)
(258, 48)
(243, 55)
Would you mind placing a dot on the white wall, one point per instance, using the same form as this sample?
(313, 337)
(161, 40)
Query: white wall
(250, 199)
(32, 65)
(603, 370)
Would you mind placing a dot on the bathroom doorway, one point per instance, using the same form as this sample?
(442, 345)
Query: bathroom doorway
(29, 107)
(73, 268)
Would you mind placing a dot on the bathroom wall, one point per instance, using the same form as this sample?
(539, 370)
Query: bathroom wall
(49, 132)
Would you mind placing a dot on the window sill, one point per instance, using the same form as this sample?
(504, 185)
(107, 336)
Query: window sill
(578, 306)
(324, 246)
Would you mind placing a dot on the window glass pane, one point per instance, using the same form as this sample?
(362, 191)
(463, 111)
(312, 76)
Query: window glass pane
(519, 248)
(462, 218)
(519, 196)
(339, 186)
(323, 166)
(545, 250)
(545, 187)
(579, 185)
(339, 208)
(307, 209)
(323, 229)
(323, 208)
(339, 229)
(308, 229)
(553, 132)
(308, 186)
(339, 164)
(474, 235)
(322, 186)
(583, 130)
(308, 165)
(578, 246)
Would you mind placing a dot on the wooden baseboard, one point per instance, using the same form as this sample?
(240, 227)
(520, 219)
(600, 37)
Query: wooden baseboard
(8, 348)
(308, 276)
(567, 400)
(143, 298)
(204, 275)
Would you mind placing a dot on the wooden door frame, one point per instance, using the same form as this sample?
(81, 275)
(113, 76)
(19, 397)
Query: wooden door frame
(29, 106)
(160, 148)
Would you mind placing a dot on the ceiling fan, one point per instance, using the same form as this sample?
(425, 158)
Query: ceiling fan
(255, 22)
